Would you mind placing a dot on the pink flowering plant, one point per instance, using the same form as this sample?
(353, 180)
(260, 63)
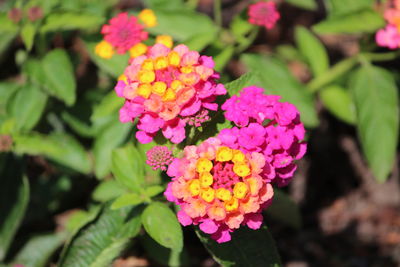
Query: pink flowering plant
(179, 133)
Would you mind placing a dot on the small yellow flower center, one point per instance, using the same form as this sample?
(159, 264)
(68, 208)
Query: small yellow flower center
(138, 50)
(240, 190)
(224, 194)
(206, 179)
(204, 165)
(241, 169)
(208, 194)
(224, 154)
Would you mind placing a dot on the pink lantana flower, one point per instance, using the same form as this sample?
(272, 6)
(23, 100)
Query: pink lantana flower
(123, 32)
(159, 157)
(388, 37)
(219, 188)
(266, 126)
(166, 89)
(263, 14)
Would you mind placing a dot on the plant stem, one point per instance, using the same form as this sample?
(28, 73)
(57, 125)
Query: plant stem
(218, 13)
(346, 65)
(192, 4)
(243, 45)
(381, 56)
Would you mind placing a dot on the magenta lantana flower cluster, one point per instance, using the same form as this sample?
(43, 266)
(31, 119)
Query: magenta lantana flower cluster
(263, 14)
(123, 32)
(267, 126)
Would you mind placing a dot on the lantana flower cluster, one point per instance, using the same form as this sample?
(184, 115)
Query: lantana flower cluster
(219, 188)
(267, 126)
(263, 14)
(226, 181)
(390, 35)
(165, 89)
(123, 32)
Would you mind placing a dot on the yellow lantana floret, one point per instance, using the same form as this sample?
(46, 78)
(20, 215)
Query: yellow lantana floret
(123, 77)
(159, 88)
(146, 76)
(144, 90)
(224, 154)
(165, 40)
(223, 194)
(138, 50)
(148, 17)
(174, 58)
(232, 204)
(148, 65)
(187, 69)
(194, 187)
(203, 165)
(104, 50)
(161, 63)
(176, 85)
(169, 95)
(208, 194)
(206, 179)
(238, 156)
(240, 190)
(241, 169)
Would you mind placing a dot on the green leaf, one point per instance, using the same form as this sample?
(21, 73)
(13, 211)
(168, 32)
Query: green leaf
(276, 79)
(114, 66)
(6, 25)
(60, 79)
(200, 41)
(101, 240)
(313, 50)
(285, 210)
(337, 8)
(8, 31)
(363, 21)
(107, 190)
(164, 4)
(170, 234)
(59, 147)
(223, 58)
(163, 255)
(247, 248)
(153, 190)
(110, 137)
(77, 125)
(182, 24)
(289, 53)
(376, 99)
(248, 79)
(28, 106)
(71, 21)
(131, 199)
(38, 250)
(79, 218)
(108, 105)
(14, 196)
(7, 91)
(338, 101)
(306, 4)
(28, 32)
(240, 25)
(127, 167)
(6, 39)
